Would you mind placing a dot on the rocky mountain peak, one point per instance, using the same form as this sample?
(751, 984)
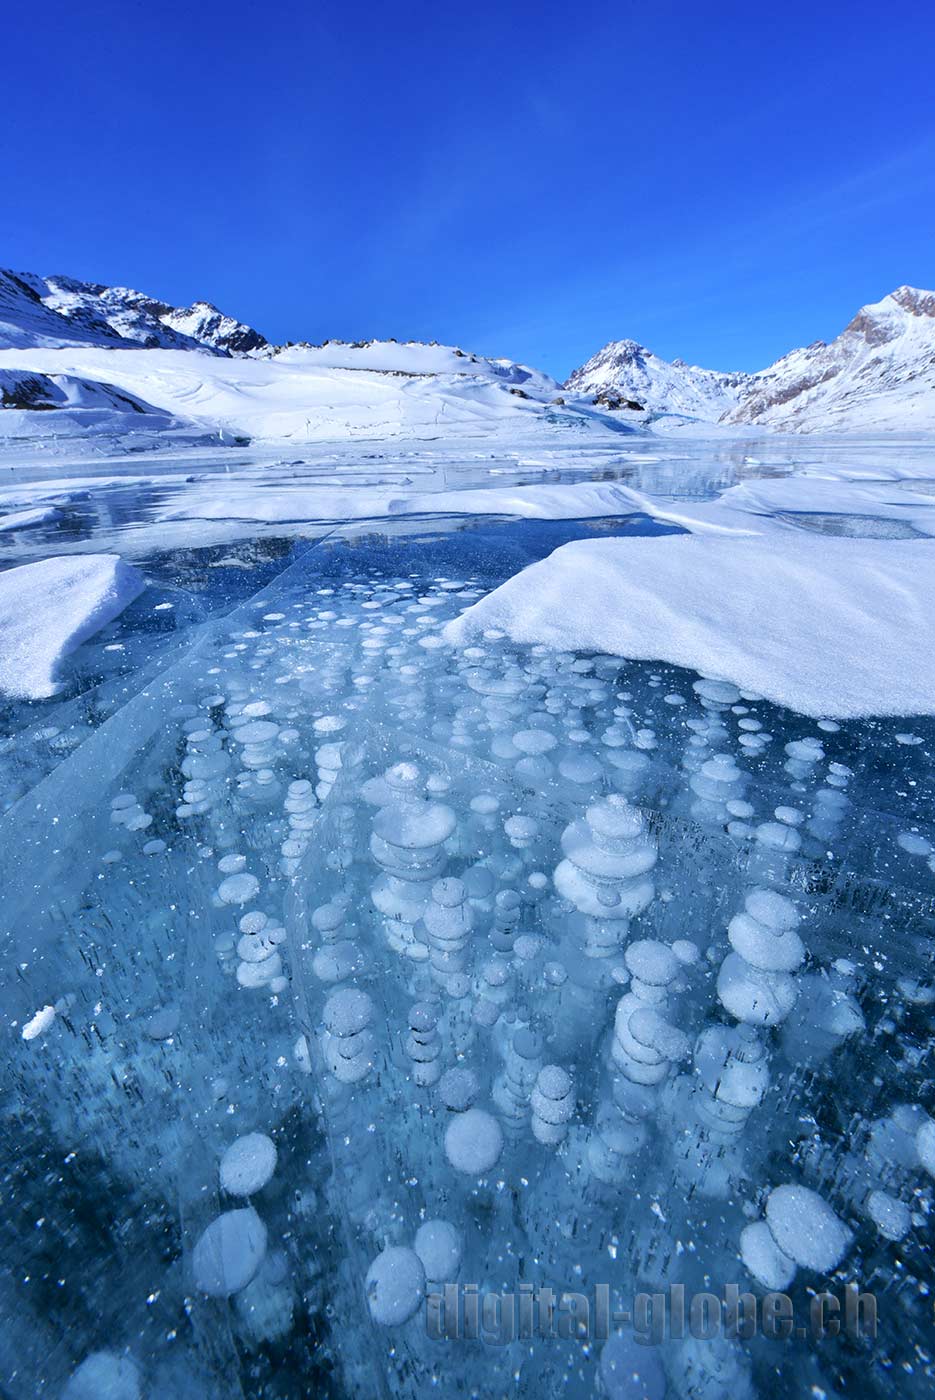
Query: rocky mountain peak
(915, 301)
(59, 310)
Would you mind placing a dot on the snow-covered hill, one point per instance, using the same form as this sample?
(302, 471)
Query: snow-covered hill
(298, 396)
(60, 311)
(877, 375)
(39, 407)
(414, 357)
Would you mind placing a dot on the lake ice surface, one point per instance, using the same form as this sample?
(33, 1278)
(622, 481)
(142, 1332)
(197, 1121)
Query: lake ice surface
(342, 964)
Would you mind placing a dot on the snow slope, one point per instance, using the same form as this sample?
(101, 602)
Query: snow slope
(48, 609)
(414, 358)
(22, 389)
(297, 395)
(57, 311)
(828, 627)
(40, 406)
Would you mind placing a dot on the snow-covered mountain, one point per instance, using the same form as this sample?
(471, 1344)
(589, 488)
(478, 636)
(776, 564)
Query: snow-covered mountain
(628, 371)
(60, 311)
(877, 375)
(80, 359)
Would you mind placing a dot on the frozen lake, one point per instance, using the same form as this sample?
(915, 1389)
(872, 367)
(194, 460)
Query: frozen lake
(344, 964)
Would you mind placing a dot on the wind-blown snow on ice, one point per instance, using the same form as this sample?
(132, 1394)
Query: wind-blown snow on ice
(49, 608)
(839, 628)
(26, 519)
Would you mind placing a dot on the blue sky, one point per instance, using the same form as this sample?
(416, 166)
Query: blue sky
(720, 182)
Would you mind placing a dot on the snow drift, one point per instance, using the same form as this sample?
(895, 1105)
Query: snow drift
(830, 627)
(48, 609)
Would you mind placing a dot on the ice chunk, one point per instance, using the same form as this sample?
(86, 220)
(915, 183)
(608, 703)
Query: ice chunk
(925, 1145)
(764, 934)
(458, 1088)
(348, 1012)
(891, 1216)
(756, 997)
(26, 519)
(238, 889)
(162, 1024)
(39, 1023)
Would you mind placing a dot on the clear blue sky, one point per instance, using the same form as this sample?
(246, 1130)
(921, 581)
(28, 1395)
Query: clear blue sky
(721, 182)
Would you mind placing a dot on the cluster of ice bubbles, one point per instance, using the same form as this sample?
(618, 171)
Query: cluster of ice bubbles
(577, 976)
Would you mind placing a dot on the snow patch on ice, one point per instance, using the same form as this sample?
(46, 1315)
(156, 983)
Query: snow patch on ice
(824, 626)
(49, 608)
(26, 519)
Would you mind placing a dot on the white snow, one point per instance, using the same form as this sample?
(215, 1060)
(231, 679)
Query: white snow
(49, 608)
(630, 370)
(827, 627)
(299, 396)
(26, 519)
(877, 375)
(414, 358)
(64, 311)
